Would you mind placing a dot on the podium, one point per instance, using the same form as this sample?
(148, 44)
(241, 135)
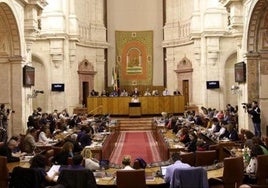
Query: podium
(134, 109)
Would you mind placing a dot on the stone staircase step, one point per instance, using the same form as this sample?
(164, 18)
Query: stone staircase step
(132, 124)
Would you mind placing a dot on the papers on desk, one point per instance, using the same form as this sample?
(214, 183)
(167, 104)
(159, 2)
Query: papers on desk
(150, 178)
(54, 169)
(94, 145)
(178, 146)
(26, 158)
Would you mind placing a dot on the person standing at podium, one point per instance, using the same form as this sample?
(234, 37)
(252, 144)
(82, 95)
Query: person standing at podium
(135, 99)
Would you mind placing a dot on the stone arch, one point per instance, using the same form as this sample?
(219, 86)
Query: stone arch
(9, 33)
(184, 77)
(254, 23)
(229, 79)
(256, 58)
(86, 75)
(11, 68)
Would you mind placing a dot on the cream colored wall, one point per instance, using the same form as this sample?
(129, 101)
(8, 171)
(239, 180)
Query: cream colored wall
(138, 15)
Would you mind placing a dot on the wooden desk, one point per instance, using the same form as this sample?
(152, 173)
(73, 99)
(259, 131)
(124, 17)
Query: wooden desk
(150, 105)
(215, 173)
(112, 181)
(11, 166)
(166, 144)
(105, 150)
(150, 171)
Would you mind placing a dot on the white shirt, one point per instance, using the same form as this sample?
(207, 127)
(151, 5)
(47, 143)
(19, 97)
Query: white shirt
(43, 138)
(128, 168)
(165, 92)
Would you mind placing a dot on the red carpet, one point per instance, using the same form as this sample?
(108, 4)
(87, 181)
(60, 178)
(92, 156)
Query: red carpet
(136, 144)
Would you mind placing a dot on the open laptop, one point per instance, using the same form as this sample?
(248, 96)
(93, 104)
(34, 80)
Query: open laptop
(163, 170)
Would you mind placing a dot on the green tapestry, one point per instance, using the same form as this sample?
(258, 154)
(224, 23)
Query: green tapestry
(134, 57)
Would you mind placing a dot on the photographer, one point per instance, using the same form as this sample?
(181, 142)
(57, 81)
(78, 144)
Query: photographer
(255, 113)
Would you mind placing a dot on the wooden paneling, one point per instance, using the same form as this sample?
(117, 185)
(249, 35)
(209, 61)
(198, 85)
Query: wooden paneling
(150, 105)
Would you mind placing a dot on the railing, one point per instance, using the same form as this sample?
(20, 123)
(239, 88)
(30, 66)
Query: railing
(95, 109)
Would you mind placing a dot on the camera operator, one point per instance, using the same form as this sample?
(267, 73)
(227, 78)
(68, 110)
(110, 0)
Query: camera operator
(255, 113)
(5, 114)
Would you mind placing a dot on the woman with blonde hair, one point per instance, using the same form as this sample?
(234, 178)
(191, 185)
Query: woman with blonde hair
(126, 161)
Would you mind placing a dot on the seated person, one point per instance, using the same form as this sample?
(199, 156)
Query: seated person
(76, 165)
(147, 92)
(29, 140)
(233, 135)
(155, 93)
(191, 146)
(94, 93)
(43, 135)
(86, 139)
(135, 92)
(114, 93)
(38, 162)
(92, 164)
(104, 93)
(73, 139)
(183, 135)
(66, 152)
(126, 161)
(251, 168)
(176, 164)
(124, 93)
(165, 92)
(223, 133)
(17, 151)
(6, 151)
(176, 92)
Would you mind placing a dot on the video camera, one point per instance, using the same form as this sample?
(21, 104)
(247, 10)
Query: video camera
(246, 105)
(10, 111)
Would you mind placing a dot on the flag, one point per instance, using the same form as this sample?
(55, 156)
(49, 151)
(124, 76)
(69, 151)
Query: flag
(115, 79)
(112, 77)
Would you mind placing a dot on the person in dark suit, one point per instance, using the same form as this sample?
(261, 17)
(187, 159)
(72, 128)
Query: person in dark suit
(6, 151)
(135, 92)
(76, 165)
(176, 92)
(255, 113)
(94, 93)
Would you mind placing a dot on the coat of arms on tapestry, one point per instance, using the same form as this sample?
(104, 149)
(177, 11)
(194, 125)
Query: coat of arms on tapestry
(134, 57)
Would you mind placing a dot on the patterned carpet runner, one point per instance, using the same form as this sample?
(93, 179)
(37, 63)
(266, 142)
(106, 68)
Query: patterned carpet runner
(136, 144)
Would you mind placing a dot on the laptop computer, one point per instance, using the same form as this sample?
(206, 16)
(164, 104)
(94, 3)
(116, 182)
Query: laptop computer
(163, 170)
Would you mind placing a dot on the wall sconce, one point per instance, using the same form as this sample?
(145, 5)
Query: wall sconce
(235, 89)
(34, 94)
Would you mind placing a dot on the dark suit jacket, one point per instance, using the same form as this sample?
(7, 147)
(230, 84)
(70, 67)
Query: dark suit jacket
(77, 179)
(5, 151)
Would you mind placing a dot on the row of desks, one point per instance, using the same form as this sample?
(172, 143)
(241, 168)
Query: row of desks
(110, 181)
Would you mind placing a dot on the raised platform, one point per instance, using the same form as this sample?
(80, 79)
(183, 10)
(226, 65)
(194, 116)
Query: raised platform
(132, 124)
(151, 105)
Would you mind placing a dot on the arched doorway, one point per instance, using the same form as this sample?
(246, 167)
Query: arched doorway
(11, 67)
(184, 76)
(231, 98)
(86, 80)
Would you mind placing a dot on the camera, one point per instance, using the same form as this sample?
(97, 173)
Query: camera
(39, 91)
(10, 111)
(246, 105)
